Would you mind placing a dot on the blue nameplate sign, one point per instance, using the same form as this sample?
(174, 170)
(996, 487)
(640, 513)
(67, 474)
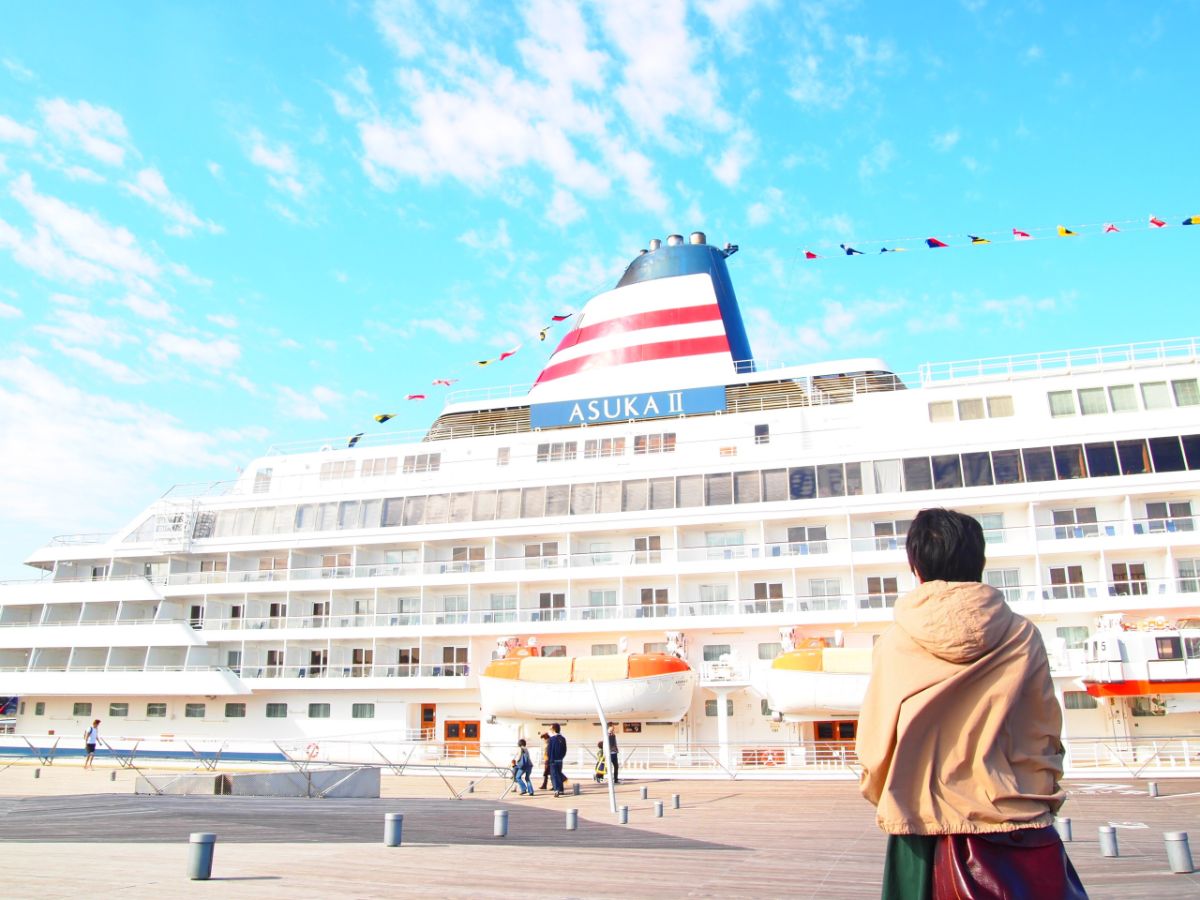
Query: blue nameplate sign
(626, 407)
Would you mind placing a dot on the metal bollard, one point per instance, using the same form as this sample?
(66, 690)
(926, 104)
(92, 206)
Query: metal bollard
(112, 776)
(658, 809)
(675, 801)
(393, 826)
(200, 855)
(37, 773)
(1179, 855)
(500, 823)
(1063, 827)
(1108, 841)
(1152, 788)
(572, 819)
(470, 787)
(575, 788)
(645, 792)
(623, 815)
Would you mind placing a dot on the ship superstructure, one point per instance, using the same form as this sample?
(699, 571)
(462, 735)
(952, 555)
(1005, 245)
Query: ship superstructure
(656, 493)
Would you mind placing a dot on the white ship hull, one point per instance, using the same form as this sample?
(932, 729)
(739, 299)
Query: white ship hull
(660, 698)
(802, 696)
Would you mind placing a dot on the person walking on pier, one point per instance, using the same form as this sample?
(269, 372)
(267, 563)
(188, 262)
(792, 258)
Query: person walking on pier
(613, 755)
(960, 733)
(556, 752)
(522, 766)
(91, 738)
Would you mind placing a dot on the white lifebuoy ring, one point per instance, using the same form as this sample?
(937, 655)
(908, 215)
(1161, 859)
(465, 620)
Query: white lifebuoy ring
(312, 750)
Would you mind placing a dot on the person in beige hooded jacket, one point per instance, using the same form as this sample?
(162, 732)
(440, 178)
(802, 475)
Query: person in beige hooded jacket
(960, 728)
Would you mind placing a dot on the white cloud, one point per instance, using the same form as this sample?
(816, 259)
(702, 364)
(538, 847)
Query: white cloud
(1020, 310)
(114, 369)
(214, 169)
(308, 406)
(1033, 54)
(564, 208)
(284, 170)
(76, 327)
(147, 308)
(290, 344)
(457, 327)
(69, 300)
(830, 69)
(8, 311)
(83, 173)
(494, 241)
(96, 130)
(150, 187)
(225, 321)
(220, 353)
(104, 248)
(946, 140)
(877, 161)
(17, 70)
(739, 153)
(763, 211)
(13, 132)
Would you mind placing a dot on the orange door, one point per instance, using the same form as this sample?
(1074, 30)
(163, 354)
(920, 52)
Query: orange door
(462, 738)
(428, 721)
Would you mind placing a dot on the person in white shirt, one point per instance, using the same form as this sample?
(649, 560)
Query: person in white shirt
(91, 738)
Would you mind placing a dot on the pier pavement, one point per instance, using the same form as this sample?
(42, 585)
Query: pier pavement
(71, 833)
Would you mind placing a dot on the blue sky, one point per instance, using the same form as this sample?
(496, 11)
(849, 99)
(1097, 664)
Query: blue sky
(226, 226)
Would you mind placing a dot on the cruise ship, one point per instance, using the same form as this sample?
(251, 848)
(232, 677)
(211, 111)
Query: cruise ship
(699, 546)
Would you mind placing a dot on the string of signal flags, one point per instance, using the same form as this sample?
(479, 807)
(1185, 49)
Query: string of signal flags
(543, 333)
(903, 245)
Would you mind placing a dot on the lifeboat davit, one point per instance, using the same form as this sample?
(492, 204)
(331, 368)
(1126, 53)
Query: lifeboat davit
(645, 686)
(816, 681)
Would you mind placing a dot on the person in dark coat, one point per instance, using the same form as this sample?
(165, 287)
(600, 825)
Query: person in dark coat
(556, 752)
(612, 752)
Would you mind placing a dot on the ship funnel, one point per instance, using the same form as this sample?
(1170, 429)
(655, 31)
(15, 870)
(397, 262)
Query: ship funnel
(655, 243)
(674, 240)
(698, 237)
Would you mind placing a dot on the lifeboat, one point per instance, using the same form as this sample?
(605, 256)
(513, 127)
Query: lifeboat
(816, 681)
(1152, 658)
(647, 686)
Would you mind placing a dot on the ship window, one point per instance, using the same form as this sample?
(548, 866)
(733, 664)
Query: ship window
(891, 535)
(383, 465)
(81, 709)
(508, 503)
(654, 443)
(1006, 581)
(854, 486)
(1169, 516)
(1101, 460)
(917, 474)
(554, 650)
(1187, 392)
(194, 710)
(437, 509)
(716, 652)
(1128, 579)
(1191, 646)
(362, 710)
(603, 447)
(262, 481)
(881, 592)
(1168, 648)
(762, 433)
(39, 708)
(1073, 636)
(604, 649)
(718, 489)
(393, 513)
(1039, 464)
(970, 409)
(276, 710)
(689, 491)
(1000, 407)
(993, 527)
(1155, 396)
(156, 710)
(1078, 700)
(654, 647)
(769, 650)
(1147, 706)
(634, 495)
(583, 499)
(1191, 449)
(1066, 582)
(941, 411)
(764, 707)
(808, 539)
(422, 462)
(947, 472)
(1068, 461)
(887, 476)
(318, 710)
(1075, 523)
(1189, 573)
(1062, 403)
(1007, 466)
(235, 710)
(608, 497)
(710, 707)
(503, 455)
(725, 452)
(803, 482)
(977, 469)
(414, 510)
(1134, 457)
(118, 710)
(483, 506)
(830, 481)
(1122, 398)
(1092, 402)
(557, 496)
(747, 487)
(1168, 457)
(556, 452)
(339, 469)
(662, 493)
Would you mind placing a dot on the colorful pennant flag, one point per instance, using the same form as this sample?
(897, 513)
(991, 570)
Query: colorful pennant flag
(507, 353)
(561, 318)
(1156, 222)
(383, 417)
(893, 249)
(1109, 226)
(808, 254)
(1191, 220)
(850, 251)
(415, 397)
(445, 381)
(354, 439)
(1063, 231)
(978, 240)
(484, 362)
(1019, 235)
(933, 243)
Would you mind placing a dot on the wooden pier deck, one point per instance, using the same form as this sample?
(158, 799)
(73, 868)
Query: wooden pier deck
(72, 834)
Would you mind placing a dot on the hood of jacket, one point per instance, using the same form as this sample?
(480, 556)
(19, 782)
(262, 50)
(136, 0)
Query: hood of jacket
(958, 621)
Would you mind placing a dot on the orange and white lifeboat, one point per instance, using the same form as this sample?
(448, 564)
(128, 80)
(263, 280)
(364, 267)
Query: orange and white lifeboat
(815, 681)
(654, 686)
(1152, 658)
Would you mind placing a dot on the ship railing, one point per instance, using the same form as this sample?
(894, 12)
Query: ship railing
(94, 623)
(113, 668)
(1169, 525)
(69, 540)
(255, 670)
(121, 576)
(1152, 589)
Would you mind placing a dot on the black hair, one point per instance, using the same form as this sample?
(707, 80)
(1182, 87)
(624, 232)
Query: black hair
(945, 545)
(521, 742)
(555, 728)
